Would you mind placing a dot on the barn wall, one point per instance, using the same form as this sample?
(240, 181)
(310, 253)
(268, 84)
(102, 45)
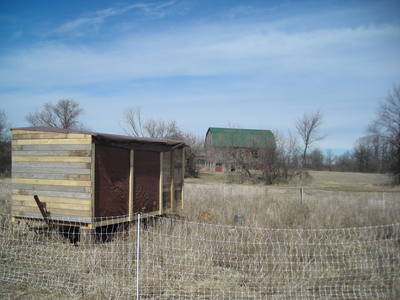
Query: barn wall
(57, 168)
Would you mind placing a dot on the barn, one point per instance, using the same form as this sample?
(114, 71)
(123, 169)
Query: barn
(94, 179)
(224, 147)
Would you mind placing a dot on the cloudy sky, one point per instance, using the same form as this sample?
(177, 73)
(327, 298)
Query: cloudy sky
(253, 64)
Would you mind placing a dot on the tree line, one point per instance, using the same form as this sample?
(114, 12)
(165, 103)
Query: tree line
(377, 151)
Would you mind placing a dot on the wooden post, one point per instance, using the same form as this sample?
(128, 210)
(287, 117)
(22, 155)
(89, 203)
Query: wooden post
(172, 187)
(93, 180)
(131, 170)
(183, 175)
(301, 195)
(161, 183)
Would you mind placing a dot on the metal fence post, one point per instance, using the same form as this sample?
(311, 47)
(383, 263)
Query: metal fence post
(138, 259)
(301, 195)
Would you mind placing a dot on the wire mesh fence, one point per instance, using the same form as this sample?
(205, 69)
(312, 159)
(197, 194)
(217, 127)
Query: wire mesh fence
(172, 258)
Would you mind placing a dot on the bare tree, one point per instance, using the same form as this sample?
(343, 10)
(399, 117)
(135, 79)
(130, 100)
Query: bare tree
(134, 125)
(4, 126)
(388, 120)
(133, 121)
(64, 114)
(5, 145)
(162, 129)
(329, 159)
(307, 127)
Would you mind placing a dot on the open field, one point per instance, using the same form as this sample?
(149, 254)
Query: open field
(332, 244)
(343, 181)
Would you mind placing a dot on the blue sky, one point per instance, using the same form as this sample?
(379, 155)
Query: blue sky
(253, 64)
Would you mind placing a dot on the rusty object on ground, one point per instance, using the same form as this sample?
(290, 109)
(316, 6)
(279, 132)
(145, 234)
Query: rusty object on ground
(43, 210)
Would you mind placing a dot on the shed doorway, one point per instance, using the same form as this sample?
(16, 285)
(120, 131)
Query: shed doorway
(112, 181)
(146, 181)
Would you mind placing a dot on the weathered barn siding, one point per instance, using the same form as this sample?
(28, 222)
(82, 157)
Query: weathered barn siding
(55, 166)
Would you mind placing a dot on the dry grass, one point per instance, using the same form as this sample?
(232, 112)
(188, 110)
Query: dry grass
(342, 181)
(190, 260)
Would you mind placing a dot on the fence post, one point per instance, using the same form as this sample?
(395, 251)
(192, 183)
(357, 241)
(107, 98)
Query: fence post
(301, 195)
(138, 258)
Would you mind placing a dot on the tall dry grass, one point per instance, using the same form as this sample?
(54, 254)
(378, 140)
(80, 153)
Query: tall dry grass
(282, 207)
(284, 251)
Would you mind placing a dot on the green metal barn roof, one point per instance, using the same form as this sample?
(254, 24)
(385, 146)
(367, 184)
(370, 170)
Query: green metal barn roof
(245, 138)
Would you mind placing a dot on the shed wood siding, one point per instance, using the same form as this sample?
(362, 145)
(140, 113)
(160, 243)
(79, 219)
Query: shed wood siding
(111, 181)
(146, 181)
(81, 175)
(57, 168)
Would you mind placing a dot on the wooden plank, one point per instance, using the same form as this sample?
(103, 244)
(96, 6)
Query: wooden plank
(131, 173)
(122, 219)
(84, 153)
(29, 135)
(50, 176)
(51, 159)
(82, 147)
(63, 212)
(54, 217)
(51, 188)
(50, 205)
(52, 182)
(73, 195)
(16, 197)
(52, 141)
(39, 170)
(93, 180)
(161, 183)
(54, 165)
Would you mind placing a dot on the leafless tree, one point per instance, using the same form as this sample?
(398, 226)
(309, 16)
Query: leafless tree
(329, 159)
(5, 145)
(162, 129)
(134, 125)
(388, 121)
(4, 126)
(307, 127)
(133, 122)
(64, 114)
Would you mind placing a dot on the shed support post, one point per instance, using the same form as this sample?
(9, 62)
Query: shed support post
(138, 258)
(161, 184)
(131, 170)
(183, 176)
(172, 187)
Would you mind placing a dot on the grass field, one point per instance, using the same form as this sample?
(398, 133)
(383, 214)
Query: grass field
(201, 260)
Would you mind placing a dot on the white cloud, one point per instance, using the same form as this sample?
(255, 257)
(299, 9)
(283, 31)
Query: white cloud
(207, 51)
(100, 16)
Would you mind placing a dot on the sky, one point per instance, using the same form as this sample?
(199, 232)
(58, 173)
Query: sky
(248, 64)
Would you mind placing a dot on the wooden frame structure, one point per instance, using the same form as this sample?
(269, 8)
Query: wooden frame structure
(94, 179)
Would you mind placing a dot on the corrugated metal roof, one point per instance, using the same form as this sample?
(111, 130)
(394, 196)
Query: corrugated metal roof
(115, 139)
(244, 138)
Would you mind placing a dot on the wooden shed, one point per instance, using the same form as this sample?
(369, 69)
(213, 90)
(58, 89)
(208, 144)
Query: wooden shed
(83, 177)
